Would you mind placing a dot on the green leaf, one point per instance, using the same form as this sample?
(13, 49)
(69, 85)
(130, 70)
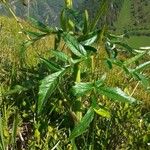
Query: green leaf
(14, 129)
(145, 81)
(86, 22)
(102, 112)
(90, 38)
(134, 59)
(27, 43)
(109, 63)
(111, 49)
(75, 61)
(39, 25)
(99, 109)
(47, 87)
(116, 62)
(81, 127)
(100, 82)
(81, 89)
(127, 47)
(61, 56)
(142, 66)
(63, 20)
(74, 45)
(35, 34)
(51, 65)
(17, 89)
(114, 38)
(90, 49)
(57, 40)
(71, 19)
(146, 117)
(116, 94)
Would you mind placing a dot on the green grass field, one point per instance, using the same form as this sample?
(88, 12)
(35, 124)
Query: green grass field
(136, 41)
(126, 21)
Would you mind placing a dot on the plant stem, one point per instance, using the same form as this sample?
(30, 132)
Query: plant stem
(92, 67)
(135, 89)
(77, 78)
(66, 104)
(76, 69)
(77, 73)
(92, 133)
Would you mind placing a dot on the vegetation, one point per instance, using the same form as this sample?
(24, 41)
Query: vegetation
(77, 87)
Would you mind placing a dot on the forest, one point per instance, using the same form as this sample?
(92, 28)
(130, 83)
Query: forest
(74, 75)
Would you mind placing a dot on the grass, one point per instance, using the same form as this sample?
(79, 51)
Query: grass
(12, 39)
(136, 41)
(124, 19)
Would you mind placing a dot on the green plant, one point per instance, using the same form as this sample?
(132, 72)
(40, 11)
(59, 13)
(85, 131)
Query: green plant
(9, 131)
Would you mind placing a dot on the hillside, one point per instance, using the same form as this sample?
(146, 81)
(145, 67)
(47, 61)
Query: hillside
(134, 20)
(49, 11)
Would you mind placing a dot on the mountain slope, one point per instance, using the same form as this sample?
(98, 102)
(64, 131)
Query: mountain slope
(48, 10)
(134, 19)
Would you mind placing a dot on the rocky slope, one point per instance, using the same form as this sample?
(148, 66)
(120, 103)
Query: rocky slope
(48, 10)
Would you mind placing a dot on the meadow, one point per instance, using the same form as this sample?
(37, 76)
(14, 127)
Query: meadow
(134, 18)
(62, 90)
